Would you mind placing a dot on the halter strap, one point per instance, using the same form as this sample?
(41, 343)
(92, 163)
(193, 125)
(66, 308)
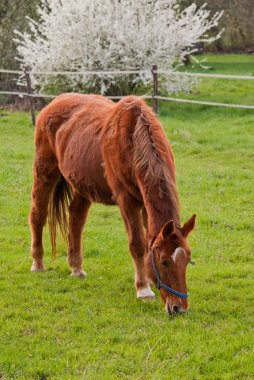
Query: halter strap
(160, 284)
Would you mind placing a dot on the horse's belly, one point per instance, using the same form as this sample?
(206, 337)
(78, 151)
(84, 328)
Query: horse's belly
(90, 189)
(82, 166)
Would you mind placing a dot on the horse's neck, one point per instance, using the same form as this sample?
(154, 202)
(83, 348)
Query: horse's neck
(159, 211)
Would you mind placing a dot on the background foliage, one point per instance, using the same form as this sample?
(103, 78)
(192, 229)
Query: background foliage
(80, 35)
(238, 20)
(12, 16)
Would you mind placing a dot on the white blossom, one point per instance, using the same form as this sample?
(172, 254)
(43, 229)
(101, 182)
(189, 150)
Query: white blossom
(80, 35)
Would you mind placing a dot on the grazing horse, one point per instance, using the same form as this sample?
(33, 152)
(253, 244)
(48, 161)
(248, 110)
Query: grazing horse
(90, 149)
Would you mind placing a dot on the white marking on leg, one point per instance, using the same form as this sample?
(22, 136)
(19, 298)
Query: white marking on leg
(37, 267)
(78, 273)
(145, 293)
(178, 251)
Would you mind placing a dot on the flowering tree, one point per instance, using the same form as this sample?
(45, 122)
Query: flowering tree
(81, 35)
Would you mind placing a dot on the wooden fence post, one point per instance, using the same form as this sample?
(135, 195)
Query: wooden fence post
(155, 88)
(30, 91)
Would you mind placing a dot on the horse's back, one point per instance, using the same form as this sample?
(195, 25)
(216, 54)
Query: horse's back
(65, 110)
(64, 106)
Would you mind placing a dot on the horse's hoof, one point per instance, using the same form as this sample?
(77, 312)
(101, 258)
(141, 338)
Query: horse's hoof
(37, 268)
(145, 294)
(78, 273)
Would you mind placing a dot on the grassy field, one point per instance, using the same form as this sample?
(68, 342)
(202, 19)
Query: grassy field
(53, 326)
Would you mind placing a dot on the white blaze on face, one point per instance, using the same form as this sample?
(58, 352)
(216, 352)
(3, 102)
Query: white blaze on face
(178, 252)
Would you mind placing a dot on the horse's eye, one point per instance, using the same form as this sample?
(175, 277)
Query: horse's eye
(165, 263)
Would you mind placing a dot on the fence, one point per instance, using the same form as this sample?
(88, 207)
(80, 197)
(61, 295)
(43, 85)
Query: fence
(154, 72)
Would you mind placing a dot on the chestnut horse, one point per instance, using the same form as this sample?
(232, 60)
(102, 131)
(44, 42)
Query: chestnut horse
(90, 149)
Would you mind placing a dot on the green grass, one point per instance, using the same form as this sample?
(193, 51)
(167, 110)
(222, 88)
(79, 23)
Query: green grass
(53, 326)
(235, 64)
(236, 91)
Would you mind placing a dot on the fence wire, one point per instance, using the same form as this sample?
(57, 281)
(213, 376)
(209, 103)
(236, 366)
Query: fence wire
(127, 72)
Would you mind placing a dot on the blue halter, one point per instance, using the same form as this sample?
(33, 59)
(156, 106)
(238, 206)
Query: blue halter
(160, 284)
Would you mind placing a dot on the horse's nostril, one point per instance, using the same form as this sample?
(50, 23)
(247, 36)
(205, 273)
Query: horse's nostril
(172, 309)
(176, 309)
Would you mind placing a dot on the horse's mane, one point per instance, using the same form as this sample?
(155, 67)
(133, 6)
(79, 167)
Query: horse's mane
(152, 155)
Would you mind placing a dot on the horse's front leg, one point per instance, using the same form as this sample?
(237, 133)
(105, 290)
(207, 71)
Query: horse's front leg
(78, 212)
(131, 213)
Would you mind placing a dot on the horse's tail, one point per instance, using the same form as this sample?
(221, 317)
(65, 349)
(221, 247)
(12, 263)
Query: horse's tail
(58, 205)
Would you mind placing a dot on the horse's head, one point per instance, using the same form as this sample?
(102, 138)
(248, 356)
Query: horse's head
(166, 264)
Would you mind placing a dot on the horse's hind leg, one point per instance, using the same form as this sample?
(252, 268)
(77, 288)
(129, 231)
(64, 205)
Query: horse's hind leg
(45, 178)
(137, 243)
(78, 212)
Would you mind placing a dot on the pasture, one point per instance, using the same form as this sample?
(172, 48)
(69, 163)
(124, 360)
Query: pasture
(53, 326)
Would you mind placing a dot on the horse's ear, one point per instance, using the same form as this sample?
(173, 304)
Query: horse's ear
(188, 226)
(167, 230)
